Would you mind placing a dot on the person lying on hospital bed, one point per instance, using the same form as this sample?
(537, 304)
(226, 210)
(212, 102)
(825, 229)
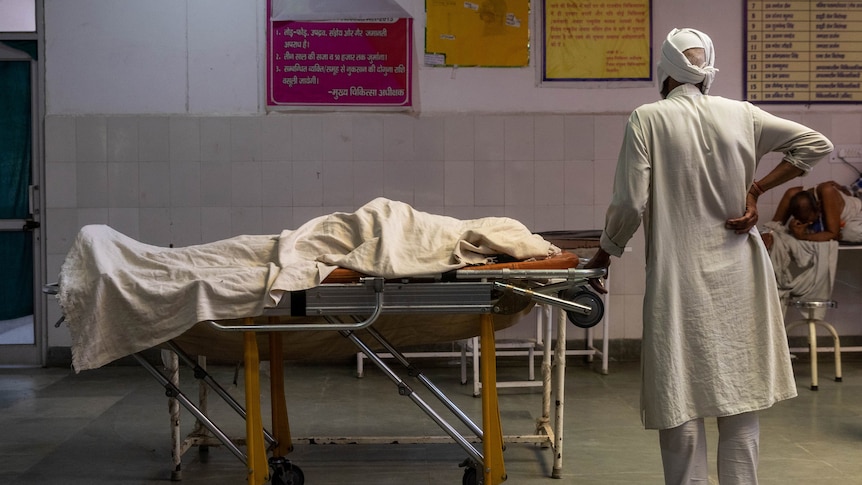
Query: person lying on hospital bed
(802, 239)
(825, 212)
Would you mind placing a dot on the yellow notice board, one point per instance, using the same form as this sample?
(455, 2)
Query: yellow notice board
(487, 33)
(597, 40)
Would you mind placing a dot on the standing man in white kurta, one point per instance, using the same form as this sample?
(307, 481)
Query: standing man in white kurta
(713, 340)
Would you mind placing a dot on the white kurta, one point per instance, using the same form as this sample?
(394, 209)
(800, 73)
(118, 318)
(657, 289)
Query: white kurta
(713, 341)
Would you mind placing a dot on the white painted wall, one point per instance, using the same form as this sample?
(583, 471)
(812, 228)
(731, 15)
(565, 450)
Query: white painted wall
(160, 56)
(207, 57)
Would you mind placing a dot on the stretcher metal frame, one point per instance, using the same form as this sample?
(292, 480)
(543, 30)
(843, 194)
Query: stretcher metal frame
(472, 291)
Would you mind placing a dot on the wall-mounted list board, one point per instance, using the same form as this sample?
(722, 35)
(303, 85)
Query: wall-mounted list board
(803, 51)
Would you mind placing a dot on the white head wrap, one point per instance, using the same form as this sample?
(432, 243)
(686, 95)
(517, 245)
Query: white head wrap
(674, 64)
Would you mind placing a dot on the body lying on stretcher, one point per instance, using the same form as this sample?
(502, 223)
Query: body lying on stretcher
(120, 296)
(417, 278)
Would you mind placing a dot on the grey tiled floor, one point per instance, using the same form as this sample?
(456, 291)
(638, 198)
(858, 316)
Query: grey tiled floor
(111, 426)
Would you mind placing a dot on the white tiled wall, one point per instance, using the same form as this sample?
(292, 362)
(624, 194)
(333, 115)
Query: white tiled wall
(186, 180)
(466, 166)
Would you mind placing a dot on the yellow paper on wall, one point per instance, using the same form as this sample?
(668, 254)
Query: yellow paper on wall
(597, 39)
(488, 33)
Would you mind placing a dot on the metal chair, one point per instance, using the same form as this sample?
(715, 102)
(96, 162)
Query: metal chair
(808, 308)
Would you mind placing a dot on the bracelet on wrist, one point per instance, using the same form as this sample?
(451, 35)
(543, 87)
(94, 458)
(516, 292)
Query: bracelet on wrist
(756, 190)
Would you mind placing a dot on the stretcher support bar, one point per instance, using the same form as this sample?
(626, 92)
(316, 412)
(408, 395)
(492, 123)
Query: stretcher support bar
(202, 374)
(542, 298)
(426, 382)
(174, 392)
(405, 390)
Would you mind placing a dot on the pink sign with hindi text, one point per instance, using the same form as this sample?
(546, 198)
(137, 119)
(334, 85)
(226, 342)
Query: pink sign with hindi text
(340, 63)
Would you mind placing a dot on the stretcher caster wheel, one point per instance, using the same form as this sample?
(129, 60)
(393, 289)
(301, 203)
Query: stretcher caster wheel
(587, 298)
(471, 476)
(471, 473)
(285, 473)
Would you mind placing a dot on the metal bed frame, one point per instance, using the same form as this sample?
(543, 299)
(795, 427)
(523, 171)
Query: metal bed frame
(467, 291)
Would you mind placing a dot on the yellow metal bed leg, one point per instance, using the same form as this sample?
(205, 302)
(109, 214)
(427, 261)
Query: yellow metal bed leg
(258, 468)
(280, 423)
(492, 444)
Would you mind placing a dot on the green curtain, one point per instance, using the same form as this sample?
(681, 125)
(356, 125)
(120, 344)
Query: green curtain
(28, 46)
(16, 248)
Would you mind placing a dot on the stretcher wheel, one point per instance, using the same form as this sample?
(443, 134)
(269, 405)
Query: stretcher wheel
(285, 473)
(471, 477)
(588, 298)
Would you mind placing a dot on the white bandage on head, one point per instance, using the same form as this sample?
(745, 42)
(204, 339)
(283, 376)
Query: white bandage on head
(673, 62)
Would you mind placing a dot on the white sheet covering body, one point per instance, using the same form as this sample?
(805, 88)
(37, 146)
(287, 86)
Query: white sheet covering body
(706, 351)
(121, 296)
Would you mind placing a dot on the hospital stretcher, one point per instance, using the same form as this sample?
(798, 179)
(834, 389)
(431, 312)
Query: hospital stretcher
(356, 307)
